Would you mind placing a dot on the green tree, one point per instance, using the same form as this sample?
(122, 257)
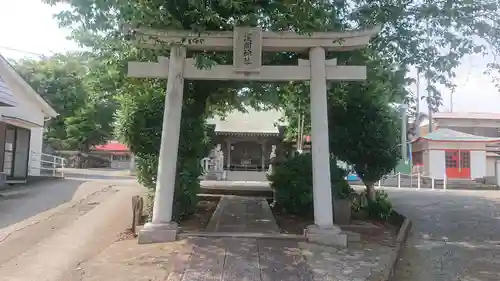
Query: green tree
(68, 84)
(59, 80)
(89, 126)
(365, 133)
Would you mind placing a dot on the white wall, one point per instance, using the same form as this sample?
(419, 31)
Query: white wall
(26, 109)
(116, 164)
(36, 143)
(490, 166)
(436, 164)
(425, 162)
(477, 164)
(29, 110)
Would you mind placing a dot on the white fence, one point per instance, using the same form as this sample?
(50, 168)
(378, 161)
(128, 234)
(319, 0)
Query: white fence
(417, 181)
(46, 165)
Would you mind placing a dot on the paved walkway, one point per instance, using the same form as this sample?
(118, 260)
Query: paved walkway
(65, 224)
(229, 259)
(455, 236)
(243, 214)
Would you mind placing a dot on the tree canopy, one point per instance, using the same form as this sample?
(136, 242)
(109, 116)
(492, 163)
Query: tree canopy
(430, 35)
(66, 82)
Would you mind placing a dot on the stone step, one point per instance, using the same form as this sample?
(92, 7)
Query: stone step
(227, 188)
(243, 214)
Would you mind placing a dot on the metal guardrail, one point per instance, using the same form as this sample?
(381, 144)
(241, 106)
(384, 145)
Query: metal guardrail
(417, 181)
(47, 164)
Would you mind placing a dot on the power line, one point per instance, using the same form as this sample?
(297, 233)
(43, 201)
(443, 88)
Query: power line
(23, 51)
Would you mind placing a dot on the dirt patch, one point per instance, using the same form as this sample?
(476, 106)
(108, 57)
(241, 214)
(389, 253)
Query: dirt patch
(372, 231)
(126, 235)
(291, 224)
(198, 221)
(375, 232)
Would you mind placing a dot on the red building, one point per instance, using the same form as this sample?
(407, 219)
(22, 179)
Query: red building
(118, 153)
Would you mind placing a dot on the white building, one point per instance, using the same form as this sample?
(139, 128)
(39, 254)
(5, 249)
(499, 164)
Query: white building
(23, 113)
(454, 154)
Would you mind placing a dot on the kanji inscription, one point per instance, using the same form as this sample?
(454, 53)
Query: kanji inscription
(247, 49)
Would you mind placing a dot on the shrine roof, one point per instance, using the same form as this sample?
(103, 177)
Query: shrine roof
(448, 135)
(112, 146)
(250, 122)
(467, 115)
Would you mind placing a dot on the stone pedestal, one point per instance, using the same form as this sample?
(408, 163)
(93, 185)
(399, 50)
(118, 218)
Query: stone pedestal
(332, 235)
(158, 233)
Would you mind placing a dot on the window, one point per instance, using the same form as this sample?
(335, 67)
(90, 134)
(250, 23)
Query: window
(451, 159)
(464, 159)
(120, 158)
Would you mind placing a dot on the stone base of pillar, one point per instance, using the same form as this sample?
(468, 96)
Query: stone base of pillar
(158, 233)
(328, 236)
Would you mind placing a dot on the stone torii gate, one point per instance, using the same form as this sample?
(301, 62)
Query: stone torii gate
(247, 43)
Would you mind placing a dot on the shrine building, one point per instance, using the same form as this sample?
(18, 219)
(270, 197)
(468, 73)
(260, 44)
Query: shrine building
(454, 154)
(246, 140)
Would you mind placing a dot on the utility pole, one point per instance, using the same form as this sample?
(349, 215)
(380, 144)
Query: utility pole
(429, 104)
(404, 133)
(417, 116)
(451, 99)
(429, 98)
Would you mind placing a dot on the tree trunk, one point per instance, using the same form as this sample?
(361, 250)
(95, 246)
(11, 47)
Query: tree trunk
(370, 192)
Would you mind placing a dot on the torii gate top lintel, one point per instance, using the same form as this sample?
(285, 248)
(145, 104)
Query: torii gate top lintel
(285, 41)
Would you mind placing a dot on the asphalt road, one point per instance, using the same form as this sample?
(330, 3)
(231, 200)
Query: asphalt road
(20, 202)
(455, 236)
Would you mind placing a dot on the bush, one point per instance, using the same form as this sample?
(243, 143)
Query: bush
(293, 183)
(380, 207)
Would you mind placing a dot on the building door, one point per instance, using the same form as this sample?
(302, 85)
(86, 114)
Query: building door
(21, 153)
(457, 164)
(8, 160)
(16, 152)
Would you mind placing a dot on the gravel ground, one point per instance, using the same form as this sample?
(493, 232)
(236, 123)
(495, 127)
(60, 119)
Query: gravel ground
(456, 235)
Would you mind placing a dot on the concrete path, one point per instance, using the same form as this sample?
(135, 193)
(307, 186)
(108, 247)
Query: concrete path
(23, 201)
(456, 235)
(231, 259)
(46, 245)
(243, 214)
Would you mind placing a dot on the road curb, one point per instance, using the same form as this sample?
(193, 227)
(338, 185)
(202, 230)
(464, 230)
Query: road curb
(401, 237)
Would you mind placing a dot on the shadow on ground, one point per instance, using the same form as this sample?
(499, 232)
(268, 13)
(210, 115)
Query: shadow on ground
(23, 201)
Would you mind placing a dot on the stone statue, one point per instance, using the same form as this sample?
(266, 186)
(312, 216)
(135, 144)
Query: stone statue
(218, 158)
(272, 159)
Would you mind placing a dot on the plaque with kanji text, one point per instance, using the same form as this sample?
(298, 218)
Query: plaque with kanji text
(247, 56)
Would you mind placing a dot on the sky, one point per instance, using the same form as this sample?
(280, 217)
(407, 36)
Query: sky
(29, 26)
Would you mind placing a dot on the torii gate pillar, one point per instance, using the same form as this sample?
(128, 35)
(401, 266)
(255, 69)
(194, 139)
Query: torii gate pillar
(162, 228)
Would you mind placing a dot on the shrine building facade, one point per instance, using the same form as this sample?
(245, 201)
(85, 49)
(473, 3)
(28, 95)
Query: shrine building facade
(247, 138)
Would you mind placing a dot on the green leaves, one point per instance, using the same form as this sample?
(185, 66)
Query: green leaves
(77, 94)
(364, 132)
